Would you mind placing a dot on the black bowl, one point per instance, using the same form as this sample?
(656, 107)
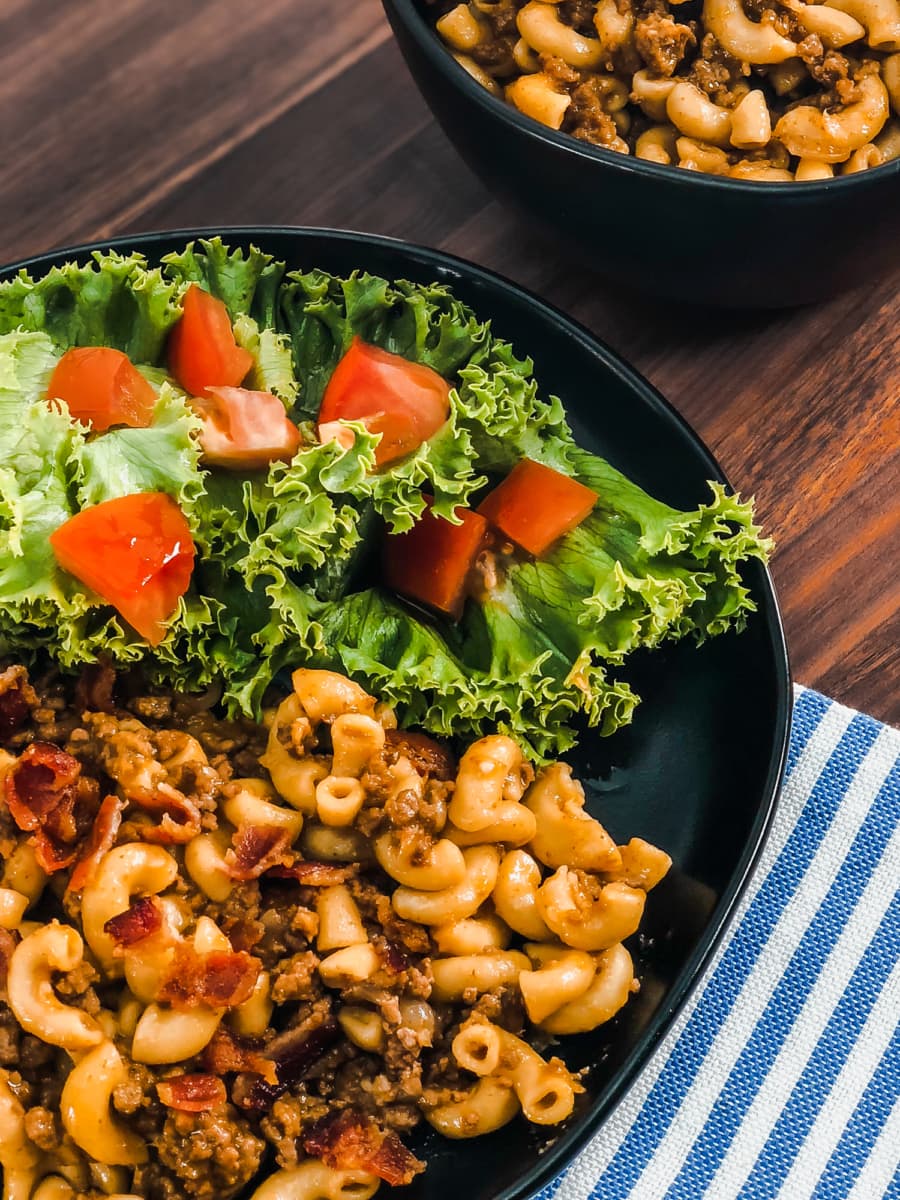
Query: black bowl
(675, 233)
(698, 771)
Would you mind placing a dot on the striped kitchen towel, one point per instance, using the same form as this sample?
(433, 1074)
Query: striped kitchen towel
(781, 1077)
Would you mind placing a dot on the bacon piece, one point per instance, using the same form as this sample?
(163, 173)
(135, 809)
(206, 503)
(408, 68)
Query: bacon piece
(256, 848)
(48, 796)
(143, 919)
(180, 816)
(58, 841)
(393, 956)
(352, 1141)
(294, 1052)
(427, 756)
(39, 783)
(17, 697)
(13, 711)
(101, 839)
(192, 1093)
(8, 943)
(311, 873)
(229, 1052)
(50, 856)
(221, 979)
(94, 689)
(245, 933)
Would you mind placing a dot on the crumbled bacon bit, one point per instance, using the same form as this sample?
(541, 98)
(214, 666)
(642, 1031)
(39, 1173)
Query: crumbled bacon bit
(180, 816)
(245, 933)
(352, 1141)
(39, 783)
(47, 795)
(7, 945)
(311, 873)
(143, 919)
(427, 756)
(94, 689)
(294, 1052)
(101, 839)
(229, 1052)
(192, 1093)
(392, 956)
(256, 848)
(51, 856)
(17, 697)
(220, 979)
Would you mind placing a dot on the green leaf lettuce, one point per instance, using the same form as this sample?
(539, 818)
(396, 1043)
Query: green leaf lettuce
(287, 560)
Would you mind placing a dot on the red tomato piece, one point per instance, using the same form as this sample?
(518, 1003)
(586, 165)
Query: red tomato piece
(102, 388)
(243, 429)
(202, 351)
(404, 401)
(535, 505)
(136, 552)
(431, 562)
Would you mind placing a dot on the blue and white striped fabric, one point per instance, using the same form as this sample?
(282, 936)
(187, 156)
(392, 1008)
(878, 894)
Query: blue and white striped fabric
(781, 1078)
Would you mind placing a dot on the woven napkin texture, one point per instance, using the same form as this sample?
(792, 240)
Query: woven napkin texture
(781, 1076)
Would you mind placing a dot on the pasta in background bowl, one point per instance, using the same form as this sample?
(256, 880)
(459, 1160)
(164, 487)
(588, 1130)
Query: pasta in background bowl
(560, 114)
(806, 93)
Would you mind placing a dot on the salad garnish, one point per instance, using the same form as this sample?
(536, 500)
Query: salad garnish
(303, 425)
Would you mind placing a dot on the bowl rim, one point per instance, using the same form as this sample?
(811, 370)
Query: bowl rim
(439, 55)
(563, 1151)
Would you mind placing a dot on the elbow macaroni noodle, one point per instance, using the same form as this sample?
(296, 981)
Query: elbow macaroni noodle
(497, 882)
(85, 1107)
(313, 1180)
(758, 101)
(32, 998)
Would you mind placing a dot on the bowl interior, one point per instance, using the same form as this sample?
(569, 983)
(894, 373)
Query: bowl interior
(697, 772)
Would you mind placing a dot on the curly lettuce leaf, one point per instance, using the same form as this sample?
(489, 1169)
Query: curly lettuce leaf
(36, 494)
(26, 364)
(285, 555)
(323, 313)
(692, 560)
(496, 416)
(297, 517)
(165, 457)
(273, 369)
(301, 522)
(113, 300)
(247, 282)
(515, 687)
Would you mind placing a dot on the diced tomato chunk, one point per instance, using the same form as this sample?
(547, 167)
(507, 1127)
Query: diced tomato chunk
(431, 562)
(244, 429)
(102, 388)
(535, 505)
(406, 402)
(136, 552)
(202, 351)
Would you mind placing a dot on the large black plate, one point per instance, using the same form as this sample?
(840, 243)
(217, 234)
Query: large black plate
(698, 772)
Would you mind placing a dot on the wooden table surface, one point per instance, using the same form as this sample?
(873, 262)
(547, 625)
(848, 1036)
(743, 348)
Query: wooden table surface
(137, 116)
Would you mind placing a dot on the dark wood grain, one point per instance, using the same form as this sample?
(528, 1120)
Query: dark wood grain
(142, 115)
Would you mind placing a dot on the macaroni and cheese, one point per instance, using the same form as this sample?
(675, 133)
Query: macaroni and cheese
(252, 959)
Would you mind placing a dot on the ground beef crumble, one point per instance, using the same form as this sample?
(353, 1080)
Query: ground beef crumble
(662, 43)
(206, 1156)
